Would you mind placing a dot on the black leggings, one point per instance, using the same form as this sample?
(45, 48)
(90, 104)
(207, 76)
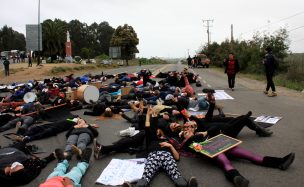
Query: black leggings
(234, 127)
(161, 159)
(231, 80)
(270, 83)
(124, 144)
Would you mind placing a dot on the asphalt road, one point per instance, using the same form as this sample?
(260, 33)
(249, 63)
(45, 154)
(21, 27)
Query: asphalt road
(288, 136)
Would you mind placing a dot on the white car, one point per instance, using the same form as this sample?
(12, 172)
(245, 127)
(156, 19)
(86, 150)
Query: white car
(106, 62)
(93, 61)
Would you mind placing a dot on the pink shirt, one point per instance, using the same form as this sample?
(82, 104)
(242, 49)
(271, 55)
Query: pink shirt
(54, 182)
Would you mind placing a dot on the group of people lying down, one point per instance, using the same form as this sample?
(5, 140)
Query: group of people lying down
(165, 132)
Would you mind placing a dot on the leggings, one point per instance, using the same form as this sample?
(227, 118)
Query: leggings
(231, 80)
(237, 152)
(160, 159)
(125, 143)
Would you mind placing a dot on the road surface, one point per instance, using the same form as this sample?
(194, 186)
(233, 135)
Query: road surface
(288, 136)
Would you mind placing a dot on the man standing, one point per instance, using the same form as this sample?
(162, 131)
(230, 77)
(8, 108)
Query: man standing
(231, 68)
(6, 66)
(29, 60)
(270, 66)
(189, 60)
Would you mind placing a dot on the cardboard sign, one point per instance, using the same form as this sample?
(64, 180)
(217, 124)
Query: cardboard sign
(215, 146)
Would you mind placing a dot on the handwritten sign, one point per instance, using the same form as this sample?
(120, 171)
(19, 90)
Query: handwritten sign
(268, 119)
(215, 146)
(118, 171)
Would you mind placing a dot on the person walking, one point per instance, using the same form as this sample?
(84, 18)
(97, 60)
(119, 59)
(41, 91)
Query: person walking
(270, 66)
(6, 64)
(232, 67)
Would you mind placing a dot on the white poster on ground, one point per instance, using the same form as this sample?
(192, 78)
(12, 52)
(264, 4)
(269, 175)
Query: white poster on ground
(222, 95)
(119, 171)
(219, 95)
(268, 119)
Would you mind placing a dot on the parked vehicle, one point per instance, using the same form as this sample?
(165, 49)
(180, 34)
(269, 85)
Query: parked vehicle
(106, 62)
(78, 59)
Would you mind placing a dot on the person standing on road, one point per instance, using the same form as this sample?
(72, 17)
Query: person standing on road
(232, 67)
(6, 66)
(270, 66)
(189, 60)
(29, 61)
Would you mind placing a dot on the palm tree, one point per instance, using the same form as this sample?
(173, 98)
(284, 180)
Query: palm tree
(54, 37)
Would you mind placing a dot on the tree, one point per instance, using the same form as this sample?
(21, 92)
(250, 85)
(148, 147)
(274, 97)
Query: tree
(95, 37)
(78, 36)
(54, 37)
(104, 36)
(10, 39)
(250, 53)
(86, 53)
(126, 38)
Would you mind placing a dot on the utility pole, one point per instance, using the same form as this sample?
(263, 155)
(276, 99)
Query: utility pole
(38, 56)
(208, 26)
(231, 33)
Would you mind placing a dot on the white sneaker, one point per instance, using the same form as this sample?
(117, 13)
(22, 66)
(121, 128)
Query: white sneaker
(127, 132)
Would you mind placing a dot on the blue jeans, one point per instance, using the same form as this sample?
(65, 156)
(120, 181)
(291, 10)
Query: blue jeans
(75, 174)
(202, 103)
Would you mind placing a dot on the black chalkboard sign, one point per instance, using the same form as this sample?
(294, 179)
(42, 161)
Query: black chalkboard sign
(215, 146)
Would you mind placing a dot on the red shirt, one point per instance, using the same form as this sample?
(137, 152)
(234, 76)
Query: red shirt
(231, 67)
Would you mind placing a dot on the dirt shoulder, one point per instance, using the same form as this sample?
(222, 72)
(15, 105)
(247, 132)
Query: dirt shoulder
(22, 73)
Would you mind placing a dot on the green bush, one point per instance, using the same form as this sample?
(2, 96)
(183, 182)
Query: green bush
(145, 61)
(56, 70)
(103, 57)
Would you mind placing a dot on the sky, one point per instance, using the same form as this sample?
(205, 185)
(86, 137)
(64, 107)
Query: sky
(169, 28)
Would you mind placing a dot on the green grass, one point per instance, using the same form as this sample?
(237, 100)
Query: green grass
(279, 80)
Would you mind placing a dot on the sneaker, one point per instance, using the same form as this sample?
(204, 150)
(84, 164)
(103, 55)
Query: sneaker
(240, 181)
(192, 182)
(86, 155)
(127, 132)
(59, 155)
(97, 148)
(287, 161)
(76, 150)
(264, 133)
(272, 94)
(265, 92)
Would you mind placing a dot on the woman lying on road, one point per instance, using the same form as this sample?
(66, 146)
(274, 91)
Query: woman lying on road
(161, 154)
(227, 125)
(17, 167)
(78, 137)
(190, 135)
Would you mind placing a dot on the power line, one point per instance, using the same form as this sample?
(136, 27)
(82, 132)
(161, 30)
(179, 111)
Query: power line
(296, 28)
(267, 25)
